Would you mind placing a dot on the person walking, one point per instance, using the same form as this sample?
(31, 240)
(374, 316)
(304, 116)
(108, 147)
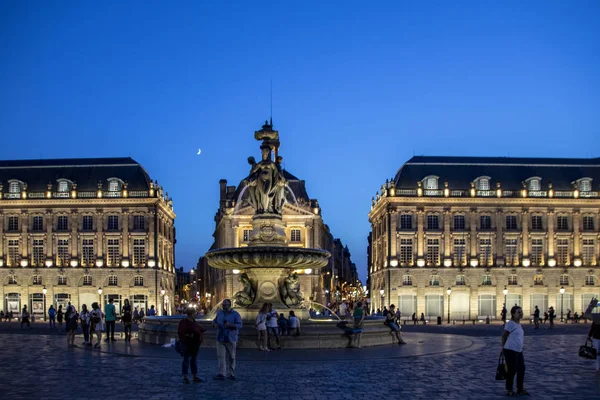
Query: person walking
(136, 316)
(390, 320)
(126, 318)
(228, 323)
(84, 318)
(59, 316)
(261, 326)
(52, 316)
(96, 324)
(294, 324)
(512, 347)
(25, 317)
(151, 312)
(71, 324)
(110, 316)
(594, 334)
(423, 318)
(142, 315)
(536, 317)
(191, 335)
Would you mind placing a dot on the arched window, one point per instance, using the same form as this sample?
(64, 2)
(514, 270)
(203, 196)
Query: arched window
(407, 280)
(14, 187)
(431, 182)
(460, 280)
(564, 280)
(114, 185)
(138, 281)
(538, 280)
(584, 184)
(63, 186)
(87, 280)
(534, 183)
(482, 183)
(37, 280)
(513, 280)
(112, 280)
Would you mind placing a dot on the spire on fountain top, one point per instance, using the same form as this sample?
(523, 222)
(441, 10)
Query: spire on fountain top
(269, 137)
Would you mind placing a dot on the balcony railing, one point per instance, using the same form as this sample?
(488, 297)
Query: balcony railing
(488, 193)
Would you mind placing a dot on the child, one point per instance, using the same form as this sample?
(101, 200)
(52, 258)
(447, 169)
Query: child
(283, 325)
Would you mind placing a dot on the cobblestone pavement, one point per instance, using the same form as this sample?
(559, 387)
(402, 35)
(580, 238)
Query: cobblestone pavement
(39, 366)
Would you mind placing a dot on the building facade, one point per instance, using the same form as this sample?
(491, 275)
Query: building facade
(458, 237)
(84, 230)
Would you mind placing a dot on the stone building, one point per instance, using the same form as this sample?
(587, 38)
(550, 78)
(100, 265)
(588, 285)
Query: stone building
(84, 230)
(475, 232)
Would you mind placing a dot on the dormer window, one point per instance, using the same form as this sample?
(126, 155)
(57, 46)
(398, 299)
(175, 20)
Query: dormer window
(14, 187)
(63, 186)
(534, 184)
(431, 182)
(584, 184)
(483, 183)
(114, 184)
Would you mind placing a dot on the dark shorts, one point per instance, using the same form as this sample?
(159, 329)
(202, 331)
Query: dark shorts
(273, 331)
(71, 325)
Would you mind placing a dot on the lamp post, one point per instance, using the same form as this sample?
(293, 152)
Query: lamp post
(562, 293)
(100, 297)
(505, 291)
(449, 291)
(382, 292)
(327, 296)
(162, 293)
(44, 291)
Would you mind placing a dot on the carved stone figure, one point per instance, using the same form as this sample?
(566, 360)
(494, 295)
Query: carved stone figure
(245, 297)
(266, 184)
(290, 290)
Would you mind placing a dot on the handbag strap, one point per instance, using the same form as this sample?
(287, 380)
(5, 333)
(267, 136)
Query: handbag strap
(501, 358)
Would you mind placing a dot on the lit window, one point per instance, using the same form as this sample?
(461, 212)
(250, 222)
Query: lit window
(87, 280)
(246, 235)
(139, 252)
(486, 280)
(433, 252)
(63, 252)
(406, 252)
(538, 280)
(88, 252)
(138, 281)
(434, 280)
(460, 280)
(113, 252)
(39, 254)
(431, 183)
(112, 280)
(585, 185)
(483, 183)
(407, 280)
(113, 185)
(12, 280)
(587, 252)
(37, 279)
(62, 280)
(510, 252)
(564, 280)
(460, 255)
(590, 280)
(537, 252)
(14, 255)
(14, 187)
(513, 280)
(63, 186)
(295, 235)
(485, 252)
(534, 184)
(562, 252)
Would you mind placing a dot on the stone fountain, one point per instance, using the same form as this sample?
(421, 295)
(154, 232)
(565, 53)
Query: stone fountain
(267, 264)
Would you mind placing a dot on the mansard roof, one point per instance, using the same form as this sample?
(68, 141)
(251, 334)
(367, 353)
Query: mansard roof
(509, 171)
(85, 172)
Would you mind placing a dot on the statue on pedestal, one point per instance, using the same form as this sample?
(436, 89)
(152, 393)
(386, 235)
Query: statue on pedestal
(290, 290)
(245, 297)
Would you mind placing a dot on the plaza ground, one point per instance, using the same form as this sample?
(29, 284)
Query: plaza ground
(443, 362)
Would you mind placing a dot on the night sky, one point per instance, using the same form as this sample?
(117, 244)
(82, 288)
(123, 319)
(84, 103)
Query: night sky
(358, 88)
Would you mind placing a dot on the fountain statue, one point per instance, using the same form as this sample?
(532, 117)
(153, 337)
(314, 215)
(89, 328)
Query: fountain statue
(267, 263)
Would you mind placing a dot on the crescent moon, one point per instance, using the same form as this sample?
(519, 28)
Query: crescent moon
(199, 151)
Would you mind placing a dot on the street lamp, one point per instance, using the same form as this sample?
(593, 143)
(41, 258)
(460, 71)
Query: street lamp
(162, 293)
(100, 296)
(382, 292)
(44, 291)
(505, 291)
(449, 291)
(562, 293)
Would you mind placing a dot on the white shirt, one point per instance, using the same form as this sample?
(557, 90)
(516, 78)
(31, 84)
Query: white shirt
(294, 322)
(272, 322)
(260, 321)
(515, 338)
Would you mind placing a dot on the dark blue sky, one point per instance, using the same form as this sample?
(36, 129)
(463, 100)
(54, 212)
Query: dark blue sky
(358, 88)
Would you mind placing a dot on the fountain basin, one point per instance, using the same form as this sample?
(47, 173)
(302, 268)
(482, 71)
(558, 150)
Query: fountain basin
(267, 257)
(315, 334)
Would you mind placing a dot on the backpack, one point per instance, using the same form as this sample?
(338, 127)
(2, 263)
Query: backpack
(52, 313)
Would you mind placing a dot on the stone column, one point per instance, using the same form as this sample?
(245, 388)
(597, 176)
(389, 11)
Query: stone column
(420, 235)
(499, 236)
(49, 222)
(151, 249)
(99, 234)
(25, 242)
(125, 244)
(525, 233)
(2, 235)
(393, 233)
(447, 235)
(576, 235)
(550, 241)
(473, 236)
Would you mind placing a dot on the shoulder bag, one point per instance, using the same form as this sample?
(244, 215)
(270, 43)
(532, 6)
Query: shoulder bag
(501, 368)
(586, 351)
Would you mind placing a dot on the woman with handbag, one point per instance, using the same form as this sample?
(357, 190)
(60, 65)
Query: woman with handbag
(191, 335)
(84, 317)
(261, 327)
(512, 346)
(594, 334)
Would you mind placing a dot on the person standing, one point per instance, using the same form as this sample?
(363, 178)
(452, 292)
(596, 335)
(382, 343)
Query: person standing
(261, 326)
(96, 324)
(71, 324)
(594, 334)
(536, 317)
(512, 347)
(273, 328)
(84, 318)
(151, 312)
(126, 319)
(110, 316)
(25, 317)
(52, 316)
(142, 315)
(228, 323)
(503, 314)
(551, 317)
(359, 317)
(136, 316)
(59, 316)
(343, 310)
(191, 335)
(294, 324)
